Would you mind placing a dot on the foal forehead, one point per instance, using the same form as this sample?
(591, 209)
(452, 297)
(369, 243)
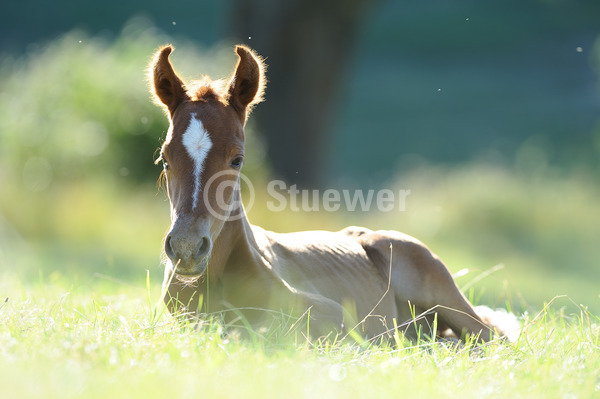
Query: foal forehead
(196, 139)
(201, 120)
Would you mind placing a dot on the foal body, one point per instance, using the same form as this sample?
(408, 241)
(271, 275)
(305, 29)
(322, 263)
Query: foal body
(354, 279)
(377, 274)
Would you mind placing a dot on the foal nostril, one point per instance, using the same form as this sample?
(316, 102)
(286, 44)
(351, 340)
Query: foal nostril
(169, 249)
(204, 248)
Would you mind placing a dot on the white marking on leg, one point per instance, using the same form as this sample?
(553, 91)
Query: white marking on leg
(197, 143)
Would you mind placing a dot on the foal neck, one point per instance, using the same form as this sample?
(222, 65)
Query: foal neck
(234, 248)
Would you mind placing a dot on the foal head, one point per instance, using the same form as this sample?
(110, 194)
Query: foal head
(203, 153)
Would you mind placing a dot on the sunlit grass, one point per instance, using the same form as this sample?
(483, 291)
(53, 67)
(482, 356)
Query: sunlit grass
(91, 341)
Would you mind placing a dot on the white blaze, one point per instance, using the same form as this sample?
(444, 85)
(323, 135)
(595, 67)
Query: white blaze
(197, 143)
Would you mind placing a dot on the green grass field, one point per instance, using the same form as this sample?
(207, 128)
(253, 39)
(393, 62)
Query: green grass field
(105, 340)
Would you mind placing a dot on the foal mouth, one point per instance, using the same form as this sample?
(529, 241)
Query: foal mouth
(194, 271)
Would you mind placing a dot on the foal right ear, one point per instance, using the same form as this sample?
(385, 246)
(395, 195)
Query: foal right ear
(167, 87)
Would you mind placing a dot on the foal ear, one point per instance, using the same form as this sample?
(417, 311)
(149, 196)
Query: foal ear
(166, 86)
(246, 86)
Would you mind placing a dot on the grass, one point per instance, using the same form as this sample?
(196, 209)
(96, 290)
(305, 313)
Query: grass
(101, 340)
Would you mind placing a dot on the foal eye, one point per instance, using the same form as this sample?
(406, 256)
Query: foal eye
(237, 162)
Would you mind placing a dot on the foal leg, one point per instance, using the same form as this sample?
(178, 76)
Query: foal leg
(424, 280)
(321, 316)
(420, 277)
(454, 309)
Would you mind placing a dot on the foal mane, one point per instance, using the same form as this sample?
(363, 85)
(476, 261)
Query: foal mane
(206, 89)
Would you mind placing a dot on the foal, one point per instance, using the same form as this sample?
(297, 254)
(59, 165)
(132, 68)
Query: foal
(353, 279)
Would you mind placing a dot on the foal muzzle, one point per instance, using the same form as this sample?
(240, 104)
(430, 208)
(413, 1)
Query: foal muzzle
(188, 250)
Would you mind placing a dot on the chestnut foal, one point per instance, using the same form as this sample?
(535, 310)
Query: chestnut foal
(353, 279)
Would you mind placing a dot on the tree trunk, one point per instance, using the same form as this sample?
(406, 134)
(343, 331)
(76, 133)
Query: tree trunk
(308, 46)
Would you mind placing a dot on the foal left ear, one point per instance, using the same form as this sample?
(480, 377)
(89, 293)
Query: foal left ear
(246, 86)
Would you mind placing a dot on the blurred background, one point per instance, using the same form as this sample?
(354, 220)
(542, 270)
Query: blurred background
(489, 112)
